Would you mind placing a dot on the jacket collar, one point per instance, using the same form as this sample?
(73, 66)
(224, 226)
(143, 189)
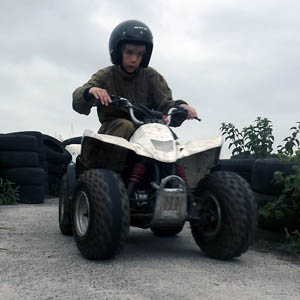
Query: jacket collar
(125, 75)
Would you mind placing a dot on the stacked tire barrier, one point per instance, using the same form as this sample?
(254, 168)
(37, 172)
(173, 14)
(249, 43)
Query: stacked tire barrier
(20, 163)
(263, 175)
(242, 167)
(57, 161)
(260, 175)
(33, 161)
(41, 151)
(266, 190)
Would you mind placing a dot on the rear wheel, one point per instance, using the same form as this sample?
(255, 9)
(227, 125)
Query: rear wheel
(100, 214)
(64, 208)
(226, 215)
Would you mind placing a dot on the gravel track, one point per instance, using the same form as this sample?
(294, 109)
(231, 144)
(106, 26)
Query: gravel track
(37, 262)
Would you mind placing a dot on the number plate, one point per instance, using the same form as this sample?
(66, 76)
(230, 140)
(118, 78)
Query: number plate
(172, 204)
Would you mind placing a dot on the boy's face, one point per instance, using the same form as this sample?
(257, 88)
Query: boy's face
(132, 56)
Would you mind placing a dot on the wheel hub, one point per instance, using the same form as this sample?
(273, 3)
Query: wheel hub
(82, 213)
(62, 202)
(210, 216)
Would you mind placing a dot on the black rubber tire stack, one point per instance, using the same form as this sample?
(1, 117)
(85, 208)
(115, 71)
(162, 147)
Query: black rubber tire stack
(19, 163)
(242, 167)
(266, 190)
(263, 175)
(41, 150)
(57, 160)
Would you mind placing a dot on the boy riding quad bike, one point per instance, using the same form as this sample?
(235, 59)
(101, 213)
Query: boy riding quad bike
(163, 185)
(135, 172)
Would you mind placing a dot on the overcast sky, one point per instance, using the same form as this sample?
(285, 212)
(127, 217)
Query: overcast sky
(232, 60)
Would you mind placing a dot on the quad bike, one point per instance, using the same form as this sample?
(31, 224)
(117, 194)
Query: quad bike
(164, 184)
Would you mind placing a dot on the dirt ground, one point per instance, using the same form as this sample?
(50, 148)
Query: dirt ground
(37, 262)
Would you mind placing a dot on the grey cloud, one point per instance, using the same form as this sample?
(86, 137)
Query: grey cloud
(252, 68)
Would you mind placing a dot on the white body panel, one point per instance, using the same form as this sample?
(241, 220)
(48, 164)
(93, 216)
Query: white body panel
(156, 141)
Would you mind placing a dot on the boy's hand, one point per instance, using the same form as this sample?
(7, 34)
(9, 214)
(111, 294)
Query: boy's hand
(192, 113)
(101, 95)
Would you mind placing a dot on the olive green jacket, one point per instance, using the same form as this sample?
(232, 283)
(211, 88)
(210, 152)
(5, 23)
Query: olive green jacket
(146, 86)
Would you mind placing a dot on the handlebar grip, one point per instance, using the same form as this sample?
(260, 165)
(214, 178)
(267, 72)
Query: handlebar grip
(178, 117)
(116, 100)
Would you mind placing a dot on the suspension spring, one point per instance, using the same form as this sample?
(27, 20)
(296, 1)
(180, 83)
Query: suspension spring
(181, 172)
(137, 173)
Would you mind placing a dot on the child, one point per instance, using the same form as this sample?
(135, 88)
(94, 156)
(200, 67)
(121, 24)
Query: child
(130, 48)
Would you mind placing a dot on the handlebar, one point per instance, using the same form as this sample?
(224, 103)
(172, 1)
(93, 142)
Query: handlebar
(116, 100)
(175, 116)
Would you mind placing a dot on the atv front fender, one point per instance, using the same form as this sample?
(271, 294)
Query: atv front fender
(191, 149)
(198, 165)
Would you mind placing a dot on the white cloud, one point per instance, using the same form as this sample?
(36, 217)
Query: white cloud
(232, 60)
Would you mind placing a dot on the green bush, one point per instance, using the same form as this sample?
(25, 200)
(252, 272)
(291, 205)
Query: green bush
(253, 141)
(289, 151)
(256, 141)
(9, 192)
(288, 204)
(287, 207)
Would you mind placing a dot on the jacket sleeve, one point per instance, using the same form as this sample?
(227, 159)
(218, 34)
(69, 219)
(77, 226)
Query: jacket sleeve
(162, 95)
(81, 102)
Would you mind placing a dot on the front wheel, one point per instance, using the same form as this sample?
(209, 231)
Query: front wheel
(100, 214)
(226, 215)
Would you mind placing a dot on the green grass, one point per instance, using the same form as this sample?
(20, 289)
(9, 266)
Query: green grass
(9, 192)
(292, 243)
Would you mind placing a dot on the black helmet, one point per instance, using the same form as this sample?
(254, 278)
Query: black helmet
(131, 31)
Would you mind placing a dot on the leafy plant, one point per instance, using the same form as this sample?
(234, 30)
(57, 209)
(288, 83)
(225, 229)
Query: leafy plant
(256, 141)
(286, 151)
(9, 192)
(235, 136)
(253, 141)
(288, 204)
